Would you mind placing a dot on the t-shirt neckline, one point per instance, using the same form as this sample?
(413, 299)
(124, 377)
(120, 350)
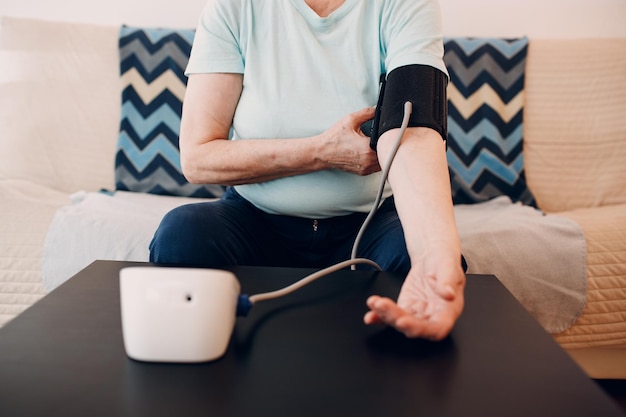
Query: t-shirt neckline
(318, 21)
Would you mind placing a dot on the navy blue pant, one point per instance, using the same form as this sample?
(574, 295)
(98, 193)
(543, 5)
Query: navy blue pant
(232, 232)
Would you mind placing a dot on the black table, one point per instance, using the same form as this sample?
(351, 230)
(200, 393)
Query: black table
(307, 354)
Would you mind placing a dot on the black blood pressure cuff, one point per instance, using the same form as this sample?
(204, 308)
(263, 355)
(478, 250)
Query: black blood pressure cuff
(425, 87)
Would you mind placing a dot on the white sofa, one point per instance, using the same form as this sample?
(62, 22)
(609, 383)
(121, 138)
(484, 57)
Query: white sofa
(59, 124)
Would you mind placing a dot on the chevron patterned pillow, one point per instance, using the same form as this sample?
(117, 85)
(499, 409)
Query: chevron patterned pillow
(152, 64)
(485, 108)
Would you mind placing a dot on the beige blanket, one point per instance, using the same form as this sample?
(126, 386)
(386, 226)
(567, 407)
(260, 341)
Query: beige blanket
(540, 259)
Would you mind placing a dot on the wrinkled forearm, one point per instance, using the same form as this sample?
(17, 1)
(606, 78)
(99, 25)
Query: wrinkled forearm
(250, 161)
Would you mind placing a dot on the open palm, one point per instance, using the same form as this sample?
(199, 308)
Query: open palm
(427, 307)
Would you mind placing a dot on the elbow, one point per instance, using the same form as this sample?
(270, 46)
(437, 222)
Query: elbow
(196, 171)
(190, 169)
(201, 164)
(195, 176)
(192, 163)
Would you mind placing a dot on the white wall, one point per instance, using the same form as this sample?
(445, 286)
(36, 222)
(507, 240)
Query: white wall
(535, 18)
(168, 13)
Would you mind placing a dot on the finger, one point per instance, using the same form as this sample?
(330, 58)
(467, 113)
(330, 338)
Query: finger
(364, 115)
(448, 288)
(409, 325)
(372, 300)
(445, 291)
(371, 318)
(413, 327)
(385, 309)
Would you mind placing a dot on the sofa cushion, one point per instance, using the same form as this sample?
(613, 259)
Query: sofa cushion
(26, 210)
(485, 110)
(602, 322)
(152, 63)
(59, 103)
(575, 146)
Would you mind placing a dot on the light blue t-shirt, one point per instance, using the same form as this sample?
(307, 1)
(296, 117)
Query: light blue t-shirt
(302, 73)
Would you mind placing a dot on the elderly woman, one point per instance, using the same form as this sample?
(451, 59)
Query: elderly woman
(277, 94)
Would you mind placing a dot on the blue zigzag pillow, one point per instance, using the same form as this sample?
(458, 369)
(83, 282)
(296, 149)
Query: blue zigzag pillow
(152, 64)
(485, 109)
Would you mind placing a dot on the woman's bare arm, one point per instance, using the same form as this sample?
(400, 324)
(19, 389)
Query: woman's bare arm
(208, 157)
